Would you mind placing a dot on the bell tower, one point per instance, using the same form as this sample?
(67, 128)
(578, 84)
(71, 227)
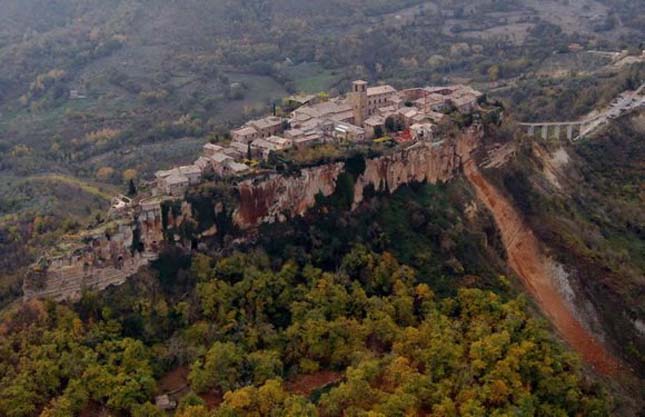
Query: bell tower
(358, 99)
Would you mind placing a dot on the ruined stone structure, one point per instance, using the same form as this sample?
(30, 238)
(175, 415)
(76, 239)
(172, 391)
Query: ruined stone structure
(111, 253)
(101, 257)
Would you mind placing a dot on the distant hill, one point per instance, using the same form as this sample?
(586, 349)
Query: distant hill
(106, 90)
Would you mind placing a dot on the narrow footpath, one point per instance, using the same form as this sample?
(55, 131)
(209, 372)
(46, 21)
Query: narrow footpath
(526, 258)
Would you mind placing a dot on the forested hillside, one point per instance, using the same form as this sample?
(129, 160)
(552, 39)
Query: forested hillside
(397, 309)
(256, 337)
(585, 203)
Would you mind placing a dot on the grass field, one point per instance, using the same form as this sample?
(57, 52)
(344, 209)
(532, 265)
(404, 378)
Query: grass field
(103, 191)
(312, 78)
(52, 193)
(260, 91)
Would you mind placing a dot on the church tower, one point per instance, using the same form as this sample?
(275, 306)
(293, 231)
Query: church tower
(358, 99)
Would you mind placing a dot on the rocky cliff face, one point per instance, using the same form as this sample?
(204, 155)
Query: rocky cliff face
(431, 162)
(279, 197)
(106, 258)
(109, 255)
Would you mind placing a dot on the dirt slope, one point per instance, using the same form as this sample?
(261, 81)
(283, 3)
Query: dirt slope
(534, 268)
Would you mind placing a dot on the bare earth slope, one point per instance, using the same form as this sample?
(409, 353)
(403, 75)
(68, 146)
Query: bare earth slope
(534, 268)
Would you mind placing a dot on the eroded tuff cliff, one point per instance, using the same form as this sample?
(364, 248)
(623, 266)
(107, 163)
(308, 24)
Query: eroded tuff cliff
(422, 162)
(278, 197)
(110, 254)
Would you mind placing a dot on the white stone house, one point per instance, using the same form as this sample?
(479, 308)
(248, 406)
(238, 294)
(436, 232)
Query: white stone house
(244, 134)
(211, 149)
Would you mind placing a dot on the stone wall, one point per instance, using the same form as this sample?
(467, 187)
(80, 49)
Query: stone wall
(110, 254)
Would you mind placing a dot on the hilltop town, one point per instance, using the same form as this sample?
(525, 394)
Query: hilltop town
(410, 124)
(411, 135)
(366, 114)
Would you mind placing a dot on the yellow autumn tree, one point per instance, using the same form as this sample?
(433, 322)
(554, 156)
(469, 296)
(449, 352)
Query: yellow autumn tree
(104, 173)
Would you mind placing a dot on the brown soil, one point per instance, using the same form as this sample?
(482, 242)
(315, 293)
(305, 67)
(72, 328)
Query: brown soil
(173, 381)
(93, 409)
(528, 261)
(306, 384)
(176, 384)
(212, 399)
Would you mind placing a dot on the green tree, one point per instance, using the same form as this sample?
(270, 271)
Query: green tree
(220, 369)
(265, 364)
(132, 189)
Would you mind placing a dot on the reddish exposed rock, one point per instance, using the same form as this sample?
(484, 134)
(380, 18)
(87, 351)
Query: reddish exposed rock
(280, 197)
(306, 384)
(527, 258)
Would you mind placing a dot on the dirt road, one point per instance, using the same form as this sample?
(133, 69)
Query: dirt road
(526, 258)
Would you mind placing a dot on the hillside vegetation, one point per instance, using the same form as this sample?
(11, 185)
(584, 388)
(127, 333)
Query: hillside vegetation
(586, 206)
(247, 329)
(405, 307)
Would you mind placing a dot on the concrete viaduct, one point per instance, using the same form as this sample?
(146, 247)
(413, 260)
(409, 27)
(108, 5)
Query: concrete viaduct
(573, 130)
(626, 102)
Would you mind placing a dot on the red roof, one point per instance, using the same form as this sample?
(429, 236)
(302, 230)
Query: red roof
(404, 136)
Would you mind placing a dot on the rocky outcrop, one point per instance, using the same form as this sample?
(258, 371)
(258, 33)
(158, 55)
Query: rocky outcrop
(107, 255)
(113, 252)
(280, 197)
(422, 162)
(106, 258)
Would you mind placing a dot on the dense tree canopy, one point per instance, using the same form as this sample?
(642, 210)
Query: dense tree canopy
(250, 328)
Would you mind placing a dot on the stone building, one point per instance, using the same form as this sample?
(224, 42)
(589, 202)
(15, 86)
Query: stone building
(237, 150)
(307, 116)
(305, 137)
(348, 132)
(245, 134)
(219, 163)
(192, 172)
(235, 168)
(358, 100)
(379, 96)
(373, 124)
(366, 100)
(422, 131)
(280, 142)
(211, 149)
(175, 182)
(267, 126)
(262, 147)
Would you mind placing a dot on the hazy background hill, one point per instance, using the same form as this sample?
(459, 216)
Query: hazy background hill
(94, 93)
